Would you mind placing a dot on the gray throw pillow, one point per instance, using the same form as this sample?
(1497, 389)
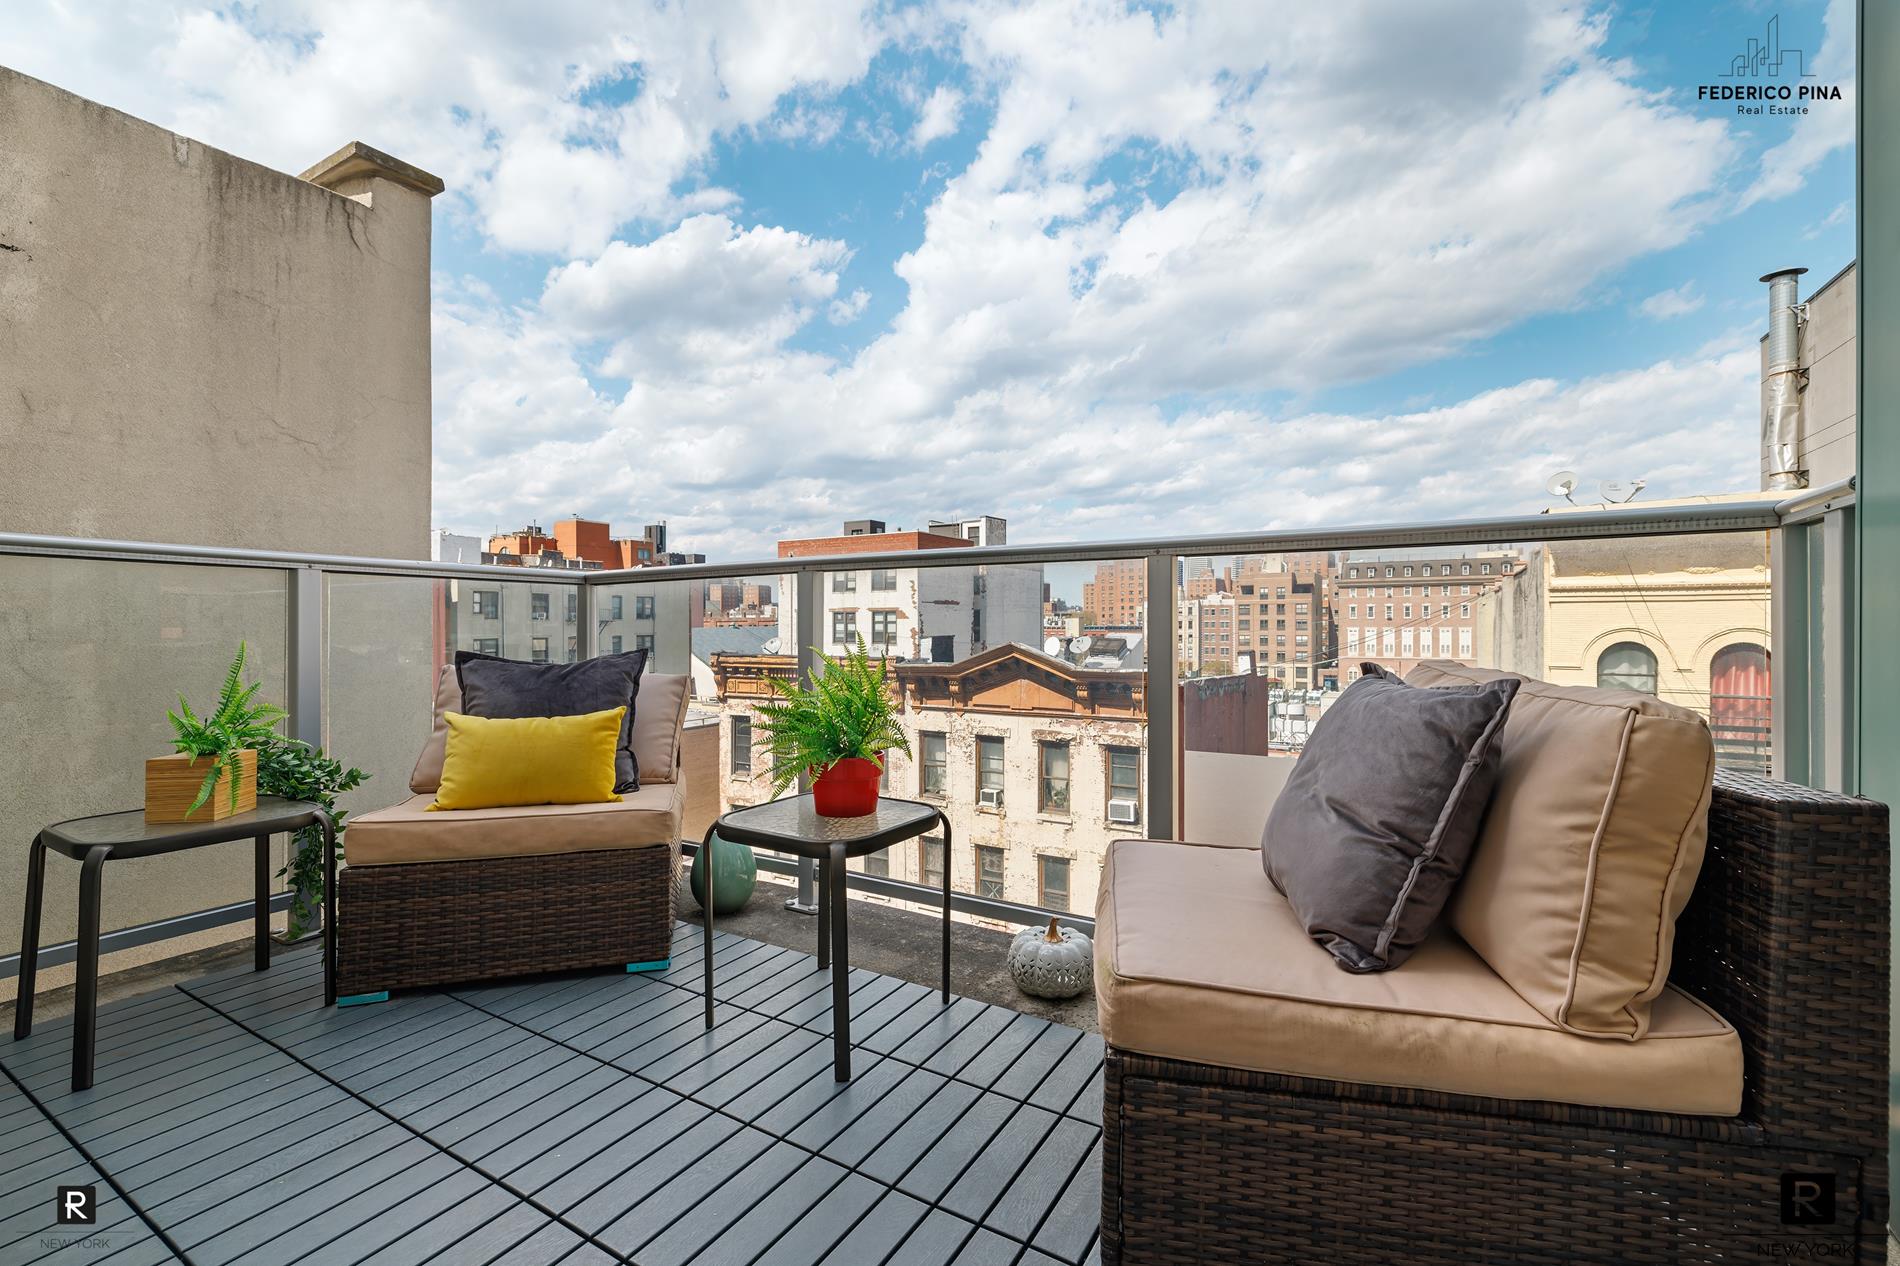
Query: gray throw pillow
(1382, 811)
(496, 687)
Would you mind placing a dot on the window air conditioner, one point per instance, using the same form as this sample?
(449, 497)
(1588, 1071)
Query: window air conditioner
(1122, 810)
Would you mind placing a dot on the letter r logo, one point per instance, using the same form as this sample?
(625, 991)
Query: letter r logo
(78, 1206)
(1807, 1199)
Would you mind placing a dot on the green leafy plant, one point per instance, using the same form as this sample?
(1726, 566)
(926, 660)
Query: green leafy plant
(848, 711)
(236, 723)
(295, 770)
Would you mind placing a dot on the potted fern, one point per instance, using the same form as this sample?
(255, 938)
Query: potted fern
(837, 729)
(213, 773)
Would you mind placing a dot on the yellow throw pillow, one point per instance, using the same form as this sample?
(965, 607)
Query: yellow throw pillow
(492, 762)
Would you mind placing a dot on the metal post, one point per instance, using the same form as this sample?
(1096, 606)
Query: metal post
(806, 617)
(304, 635)
(1164, 743)
(1839, 767)
(1788, 624)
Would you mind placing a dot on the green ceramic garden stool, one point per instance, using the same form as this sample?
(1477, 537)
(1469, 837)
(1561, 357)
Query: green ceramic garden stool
(737, 875)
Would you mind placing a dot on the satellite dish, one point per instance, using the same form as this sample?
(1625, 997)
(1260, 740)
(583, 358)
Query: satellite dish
(1562, 484)
(1079, 646)
(1052, 646)
(771, 646)
(1617, 492)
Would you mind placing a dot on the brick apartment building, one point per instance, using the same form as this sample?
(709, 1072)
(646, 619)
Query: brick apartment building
(1396, 611)
(1118, 596)
(578, 543)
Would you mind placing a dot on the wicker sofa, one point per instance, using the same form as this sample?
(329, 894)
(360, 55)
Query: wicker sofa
(1452, 1153)
(433, 898)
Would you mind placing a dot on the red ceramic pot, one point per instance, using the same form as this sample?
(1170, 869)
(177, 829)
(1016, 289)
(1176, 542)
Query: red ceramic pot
(847, 788)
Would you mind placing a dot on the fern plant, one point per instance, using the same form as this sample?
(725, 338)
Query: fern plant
(236, 723)
(847, 712)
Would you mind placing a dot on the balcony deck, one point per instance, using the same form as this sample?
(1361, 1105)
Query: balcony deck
(574, 1119)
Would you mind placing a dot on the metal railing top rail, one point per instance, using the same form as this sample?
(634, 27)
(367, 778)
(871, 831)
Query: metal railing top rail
(1760, 513)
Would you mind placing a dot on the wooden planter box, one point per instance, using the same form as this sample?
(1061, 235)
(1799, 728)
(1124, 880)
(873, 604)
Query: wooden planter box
(172, 782)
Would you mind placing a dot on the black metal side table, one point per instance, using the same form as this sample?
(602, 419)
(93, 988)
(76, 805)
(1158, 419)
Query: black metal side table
(792, 825)
(117, 837)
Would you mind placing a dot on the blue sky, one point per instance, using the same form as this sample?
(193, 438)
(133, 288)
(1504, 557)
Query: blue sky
(1104, 269)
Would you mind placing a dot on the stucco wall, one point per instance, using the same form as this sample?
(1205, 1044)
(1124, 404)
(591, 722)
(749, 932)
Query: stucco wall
(194, 349)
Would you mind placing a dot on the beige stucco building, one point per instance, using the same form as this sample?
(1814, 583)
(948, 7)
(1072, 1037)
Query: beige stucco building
(194, 349)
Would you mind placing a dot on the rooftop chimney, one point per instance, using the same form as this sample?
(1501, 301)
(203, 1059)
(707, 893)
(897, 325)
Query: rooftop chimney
(1783, 437)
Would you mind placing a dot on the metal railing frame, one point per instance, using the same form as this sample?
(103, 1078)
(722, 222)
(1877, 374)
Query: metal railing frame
(1813, 610)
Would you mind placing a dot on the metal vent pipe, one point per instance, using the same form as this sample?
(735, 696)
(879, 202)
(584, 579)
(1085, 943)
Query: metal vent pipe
(1783, 439)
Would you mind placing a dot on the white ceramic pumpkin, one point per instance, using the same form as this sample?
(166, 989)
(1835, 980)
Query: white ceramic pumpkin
(1055, 962)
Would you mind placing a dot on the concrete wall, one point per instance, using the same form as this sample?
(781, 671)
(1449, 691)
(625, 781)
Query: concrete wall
(195, 349)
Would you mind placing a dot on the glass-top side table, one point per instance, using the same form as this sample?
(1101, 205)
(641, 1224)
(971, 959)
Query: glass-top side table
(123, 836)
(793, 825)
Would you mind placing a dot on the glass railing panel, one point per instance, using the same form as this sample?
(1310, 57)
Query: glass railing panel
(386, 639)
(94, 654)
(1266, 643)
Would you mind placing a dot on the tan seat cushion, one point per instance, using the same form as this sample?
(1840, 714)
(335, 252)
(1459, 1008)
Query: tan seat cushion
(1590, 848)
(659, 713)
(1198, 958)
(410, 832)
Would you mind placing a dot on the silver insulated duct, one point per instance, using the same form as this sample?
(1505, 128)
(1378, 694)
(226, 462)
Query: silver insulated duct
(1782, 430)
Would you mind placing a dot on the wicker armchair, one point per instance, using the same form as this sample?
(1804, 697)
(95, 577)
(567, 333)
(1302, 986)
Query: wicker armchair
(1786, 936)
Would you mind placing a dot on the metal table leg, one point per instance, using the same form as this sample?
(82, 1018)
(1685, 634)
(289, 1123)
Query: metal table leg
(260, 913)
(948, 852)
(824, 916)
(706, 950)
(833, 879)
(86, 992)
(30, 939)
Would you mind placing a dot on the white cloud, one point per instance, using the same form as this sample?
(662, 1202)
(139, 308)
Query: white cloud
(845, 311)
(939, 117)
(1665, 304)
(1828, 126)
(554, 124)
(708, 293)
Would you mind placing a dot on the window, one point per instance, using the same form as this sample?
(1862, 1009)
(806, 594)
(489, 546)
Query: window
(844, 627)
(1124, 775)
(643, 641)
(989, 768)
(1408, 610)
(1388, 611)
(883, 579)
(1408, 591)
(1388, 573)
(1484, 569)
(615, 644)
(1628, 666)
(1053, 784)
(1354, 572)
(1052, 883)
(878, 863)
(488, 646)
(616, 607)
(643, 608)
(1247, 590)
(1464, 569)
(932, 764)
(1352, 611)
(538, 606)
(989, 873)
(488, 603)
(741, 743)
(1408, 569)
(538, 650)
(884, 628)
(1464, 610)
(573, 607)
(844, 582)
(573, 648)
(930, 861)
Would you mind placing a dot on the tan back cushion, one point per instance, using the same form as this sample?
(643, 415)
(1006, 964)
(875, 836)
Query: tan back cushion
(659, 715)
(427, 775)
(1589, 850)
